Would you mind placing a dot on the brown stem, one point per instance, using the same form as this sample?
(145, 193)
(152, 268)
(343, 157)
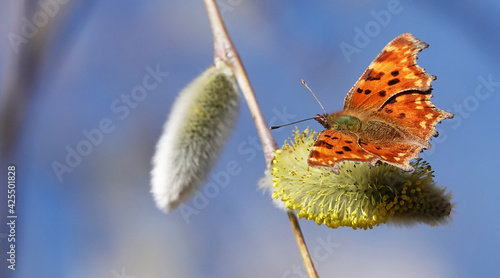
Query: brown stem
(311, 272)
(224, 49)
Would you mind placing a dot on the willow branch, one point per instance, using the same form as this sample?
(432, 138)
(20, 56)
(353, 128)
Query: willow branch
(302, 245)
(224, 49)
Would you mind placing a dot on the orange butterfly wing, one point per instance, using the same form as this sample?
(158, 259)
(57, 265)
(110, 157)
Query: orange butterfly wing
(414, 111)
(393, 71)
(396, 154)
(332, 147)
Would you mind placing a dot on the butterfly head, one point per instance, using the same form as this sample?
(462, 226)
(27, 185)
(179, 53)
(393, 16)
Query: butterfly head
(324, 119)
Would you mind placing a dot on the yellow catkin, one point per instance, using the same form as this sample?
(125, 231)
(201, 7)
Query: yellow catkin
(360, 196)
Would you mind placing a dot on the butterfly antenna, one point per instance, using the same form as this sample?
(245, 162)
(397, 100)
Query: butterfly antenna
(305, 84)
(278, 126)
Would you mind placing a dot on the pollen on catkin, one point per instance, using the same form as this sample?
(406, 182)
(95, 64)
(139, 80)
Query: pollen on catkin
(360, 196)
(199, 123)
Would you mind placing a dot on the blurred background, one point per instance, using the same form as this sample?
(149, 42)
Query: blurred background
(68, 66)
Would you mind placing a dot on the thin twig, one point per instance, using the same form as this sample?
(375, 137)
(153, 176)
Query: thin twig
(302, 245)
(225, 50)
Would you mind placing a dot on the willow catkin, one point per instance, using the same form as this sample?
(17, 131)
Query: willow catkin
(199, 123)
(359, 196)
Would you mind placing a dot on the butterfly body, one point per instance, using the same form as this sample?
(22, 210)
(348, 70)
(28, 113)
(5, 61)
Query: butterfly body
(387, 114)
(340, 122)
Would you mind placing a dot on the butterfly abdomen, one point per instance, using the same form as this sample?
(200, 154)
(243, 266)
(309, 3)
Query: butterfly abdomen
(380, 131)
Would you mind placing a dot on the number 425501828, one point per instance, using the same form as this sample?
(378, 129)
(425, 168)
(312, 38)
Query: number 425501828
(11, 188)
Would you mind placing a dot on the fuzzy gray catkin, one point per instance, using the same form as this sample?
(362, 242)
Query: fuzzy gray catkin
(200, 121)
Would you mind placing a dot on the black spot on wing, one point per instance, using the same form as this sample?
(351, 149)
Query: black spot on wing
(393, 82)
(371, 75)
(324, 143)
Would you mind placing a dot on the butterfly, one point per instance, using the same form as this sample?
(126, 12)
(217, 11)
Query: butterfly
(387, 115)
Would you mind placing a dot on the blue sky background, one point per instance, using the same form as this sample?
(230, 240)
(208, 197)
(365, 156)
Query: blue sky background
(100, 220)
